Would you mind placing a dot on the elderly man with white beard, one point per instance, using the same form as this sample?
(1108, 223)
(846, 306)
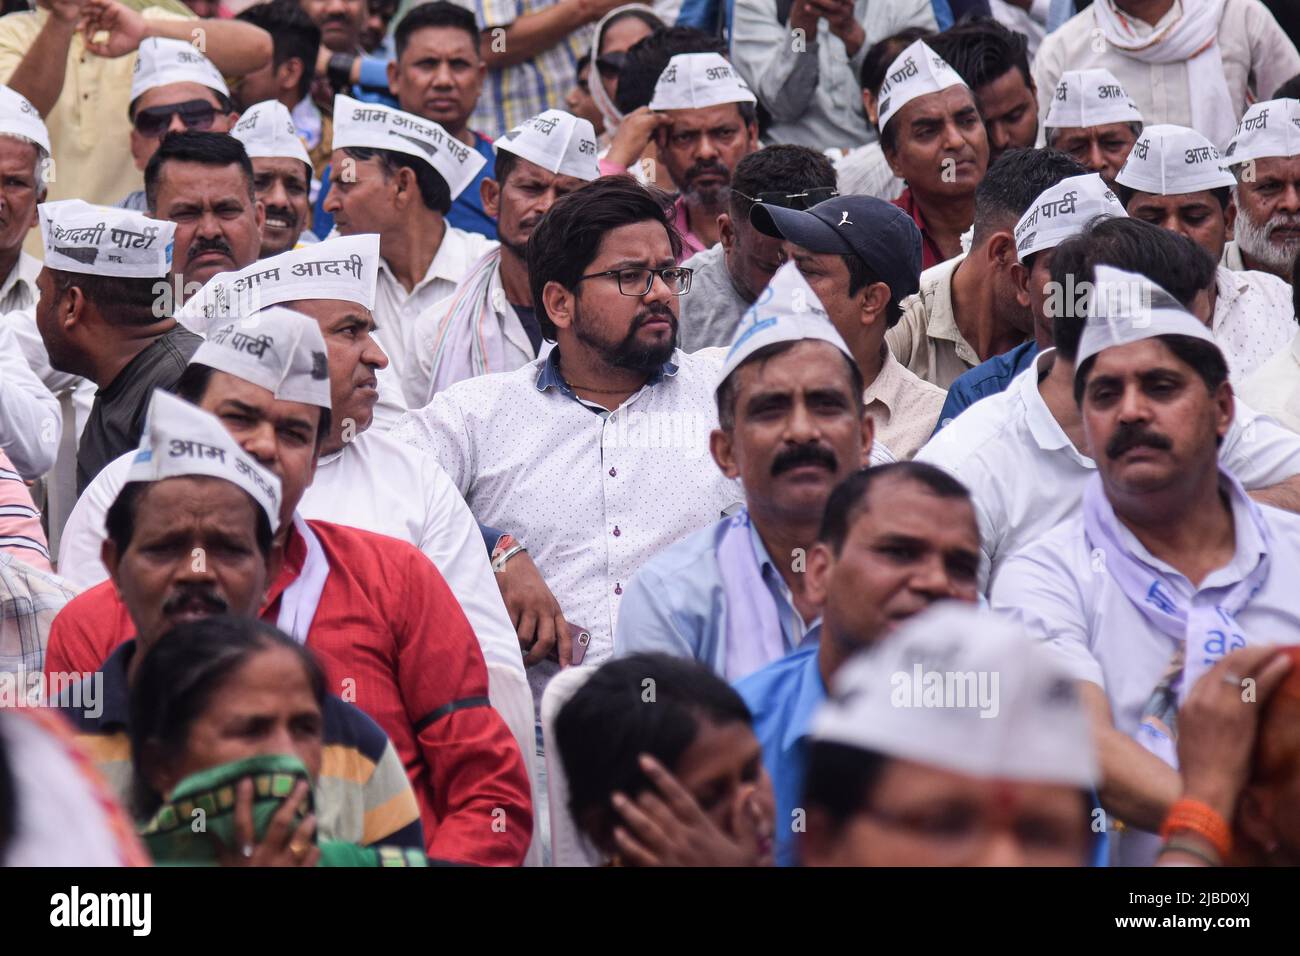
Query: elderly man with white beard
(1265, 156)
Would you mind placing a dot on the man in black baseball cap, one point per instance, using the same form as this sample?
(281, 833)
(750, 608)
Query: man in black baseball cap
(862, 256)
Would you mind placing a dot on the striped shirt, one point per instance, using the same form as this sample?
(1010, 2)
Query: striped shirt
(362, 794)
(21, 534)
(29, 601)
(512, 94)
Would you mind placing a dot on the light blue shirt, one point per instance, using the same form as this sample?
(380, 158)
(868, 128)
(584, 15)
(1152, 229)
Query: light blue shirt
(783, 697)
(676, 603)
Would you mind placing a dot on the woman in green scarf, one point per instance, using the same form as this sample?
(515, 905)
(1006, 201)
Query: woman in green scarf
(226, 733)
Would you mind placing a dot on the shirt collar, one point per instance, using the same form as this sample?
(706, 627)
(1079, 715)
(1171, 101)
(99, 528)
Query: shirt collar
(1229, 286)
(887, 384)
(1043, 426)
(809, 692)
(450, 262)
(548, 376)
(295, 556)
(940, 319)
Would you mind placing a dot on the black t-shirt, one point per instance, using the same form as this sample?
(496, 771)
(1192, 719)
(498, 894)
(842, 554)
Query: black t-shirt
(528, 319)
(117, 417)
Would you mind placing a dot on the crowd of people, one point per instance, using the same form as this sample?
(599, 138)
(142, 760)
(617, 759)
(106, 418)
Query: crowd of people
(711, 433)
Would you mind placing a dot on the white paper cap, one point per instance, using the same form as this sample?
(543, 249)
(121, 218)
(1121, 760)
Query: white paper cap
(693, 81)
(1126, 307)
(373, 126)
(343, 268)
(105, 240)
(1087, 98)
(1172, 161)
(160, 62)
(19, 118)
(266, 129)
(917, 71)
(557, 141)
(786, 311)
(281, 350)
(1269, 129)
(1062, 211)
(182, 439)
(966, 691)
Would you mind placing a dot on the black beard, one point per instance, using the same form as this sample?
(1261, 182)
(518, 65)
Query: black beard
(629, 353)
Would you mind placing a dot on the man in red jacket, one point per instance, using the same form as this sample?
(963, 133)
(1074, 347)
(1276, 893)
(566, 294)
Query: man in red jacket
(387, 630)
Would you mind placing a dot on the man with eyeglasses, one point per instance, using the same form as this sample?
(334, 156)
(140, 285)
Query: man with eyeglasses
(73, 60)
(175, 88)
(596, 455)
(709, 125)
(729, 276)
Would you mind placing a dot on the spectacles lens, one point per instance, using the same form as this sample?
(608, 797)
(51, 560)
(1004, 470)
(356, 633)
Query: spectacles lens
(195, 114)
(679, 280)
(635, 281)
(151, 123)
(198, 117)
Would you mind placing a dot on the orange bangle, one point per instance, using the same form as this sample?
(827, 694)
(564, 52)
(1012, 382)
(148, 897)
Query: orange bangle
(1193, 816)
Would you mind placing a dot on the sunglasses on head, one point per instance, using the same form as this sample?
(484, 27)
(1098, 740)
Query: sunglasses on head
(151, 123)
(804, 200)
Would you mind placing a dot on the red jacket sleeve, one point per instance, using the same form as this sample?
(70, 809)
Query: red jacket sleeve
(88, 629)
(477, 778)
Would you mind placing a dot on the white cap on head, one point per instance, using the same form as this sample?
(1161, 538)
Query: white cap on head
(180, 439)
(281, 350)
(693, 81)
(18, 117)
(105, 240)
(559, 142)
(965, 691)
(1172, 161)
(374, 126)
(266, 129)
(917, 71)
(160, 62)
(786, 311)
(1087, 98)
(1126, 307)
(1270, 129)
(1062, 211)
(343, 268)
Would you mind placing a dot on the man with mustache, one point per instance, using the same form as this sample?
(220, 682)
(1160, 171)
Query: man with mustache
(181, 499)
(388, 631)
(1265, 158)
(1094, 121)
(489, 324)
(397, 174)
(893, 541)
(862, 256)
(363, 478)
(1176, 179)
(708, 124)
(595, 455)
(281, 175)
(98, 317)
(729, 276)
(174, 88)
(934, 139)
(792, 426)
(1022, 452)
(1169, 565)
(203, 183)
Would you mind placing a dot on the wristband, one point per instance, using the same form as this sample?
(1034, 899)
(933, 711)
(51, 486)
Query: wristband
(339, 71)
(1193, 816)
(499, 563)
(1208, 858)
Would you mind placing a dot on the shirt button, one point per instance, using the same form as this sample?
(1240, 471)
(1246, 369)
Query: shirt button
(616, 531)
(618, 588)
(613, 473)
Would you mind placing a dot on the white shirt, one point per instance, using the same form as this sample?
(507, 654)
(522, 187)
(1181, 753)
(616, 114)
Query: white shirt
(1025, 475)
(375, 484)
(592, 495)
(1274, 387)
(1032, 22)
(1257, 59)
(1254, 319)
(30, 421)
(864, 171)
(417, 385)
(396, 310)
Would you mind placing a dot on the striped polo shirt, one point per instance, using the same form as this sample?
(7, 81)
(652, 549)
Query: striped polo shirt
(362, 795)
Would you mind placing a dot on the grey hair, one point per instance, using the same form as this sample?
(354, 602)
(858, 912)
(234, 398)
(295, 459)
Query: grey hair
(41, 156)
(1051, 132)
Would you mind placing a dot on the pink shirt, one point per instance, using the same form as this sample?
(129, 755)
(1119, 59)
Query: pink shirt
(20, 522)
(691, 243)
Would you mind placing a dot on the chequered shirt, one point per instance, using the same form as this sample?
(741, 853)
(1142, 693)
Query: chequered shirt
(29, 601)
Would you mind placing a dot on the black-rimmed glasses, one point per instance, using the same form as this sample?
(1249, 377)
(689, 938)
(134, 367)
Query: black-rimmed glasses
(638, 281)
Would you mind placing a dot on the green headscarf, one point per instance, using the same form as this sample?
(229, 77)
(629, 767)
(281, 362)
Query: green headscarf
(201, 810)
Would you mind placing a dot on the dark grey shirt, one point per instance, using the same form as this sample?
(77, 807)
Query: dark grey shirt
(117, 417)
(710, 313)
